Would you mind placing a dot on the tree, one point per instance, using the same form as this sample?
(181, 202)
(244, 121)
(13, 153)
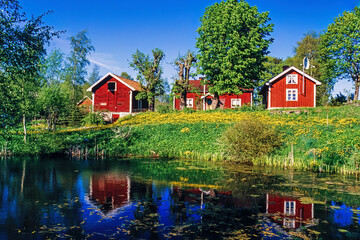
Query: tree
(94, 75)
(184, 64)
(309, 47)
(272, 67)
(126, 75)
(233, 41)
(149, 76)
(22, 47)
(76, 72)
(77, 62)
(52, 99)
(340, 51)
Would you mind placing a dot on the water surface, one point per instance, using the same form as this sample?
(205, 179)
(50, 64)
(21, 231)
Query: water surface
(172, 199)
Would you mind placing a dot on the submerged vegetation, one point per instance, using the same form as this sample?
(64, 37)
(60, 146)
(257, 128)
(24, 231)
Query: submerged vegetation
(321, 139)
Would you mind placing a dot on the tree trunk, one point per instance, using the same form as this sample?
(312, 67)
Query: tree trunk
(24, 125)
(356, 96)
(215, 102)
(152, 104)
(183, 100)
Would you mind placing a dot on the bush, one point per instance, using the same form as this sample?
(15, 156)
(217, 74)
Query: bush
(250, 139)
(164, 107)
(93, 119)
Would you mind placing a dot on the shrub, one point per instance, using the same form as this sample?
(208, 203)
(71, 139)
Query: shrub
(250, 139)
(93, 119)
(164, 108)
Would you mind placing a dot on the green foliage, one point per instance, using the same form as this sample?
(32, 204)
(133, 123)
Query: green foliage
(81, 47)
(23, 43)
(93, 119)
(249, 139)
(340, 48)
(126, 75)
(149, 76)
(272, 67)
(94, 75)
(52, 104)
(233, 41)
(164, 107)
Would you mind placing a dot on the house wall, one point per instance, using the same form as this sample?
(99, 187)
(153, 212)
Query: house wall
(278, 93)
(225, 100)
(117, 101)
(86, 105)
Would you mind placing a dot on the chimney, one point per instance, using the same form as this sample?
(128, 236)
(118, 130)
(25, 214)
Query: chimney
(285, 67)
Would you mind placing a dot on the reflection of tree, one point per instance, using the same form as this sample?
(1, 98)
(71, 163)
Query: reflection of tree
(146, 214)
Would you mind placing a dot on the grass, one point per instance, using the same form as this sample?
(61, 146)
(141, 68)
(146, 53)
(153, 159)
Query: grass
(320, 139)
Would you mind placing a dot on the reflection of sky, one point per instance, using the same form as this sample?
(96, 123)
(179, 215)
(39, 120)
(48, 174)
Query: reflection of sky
(343, 215)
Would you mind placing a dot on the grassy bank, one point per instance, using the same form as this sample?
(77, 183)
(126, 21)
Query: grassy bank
(321, 139)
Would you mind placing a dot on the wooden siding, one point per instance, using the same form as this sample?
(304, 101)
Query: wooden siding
(278, 94)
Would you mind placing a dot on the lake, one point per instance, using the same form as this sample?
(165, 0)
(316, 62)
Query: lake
(140, 198)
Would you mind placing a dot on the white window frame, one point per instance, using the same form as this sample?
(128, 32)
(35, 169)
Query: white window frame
(292, 92)
(292, 79)
(108, 86)
(290, 208)
(189, 102)
(235, 102)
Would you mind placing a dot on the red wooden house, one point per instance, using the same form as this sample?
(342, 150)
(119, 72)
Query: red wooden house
(290, 89)
(85, 104)
(199, 98)
(115, 96)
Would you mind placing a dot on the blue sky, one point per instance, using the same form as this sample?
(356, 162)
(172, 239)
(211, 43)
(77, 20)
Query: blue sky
(118, 28)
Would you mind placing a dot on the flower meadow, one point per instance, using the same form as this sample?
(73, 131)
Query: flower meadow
(320, 139)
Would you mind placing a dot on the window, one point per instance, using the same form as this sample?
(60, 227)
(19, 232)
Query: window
(235, 103)
(291, 79)
(289, 207)
(291, 94)
(102, 104)
(111, 86)
(189, 102)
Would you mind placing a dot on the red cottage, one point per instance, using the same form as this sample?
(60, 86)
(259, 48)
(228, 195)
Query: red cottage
(290, 89)
(85, 104)
(199, 98)
(115, 96)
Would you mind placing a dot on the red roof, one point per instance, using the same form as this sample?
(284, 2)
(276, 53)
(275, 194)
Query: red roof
(133, 84)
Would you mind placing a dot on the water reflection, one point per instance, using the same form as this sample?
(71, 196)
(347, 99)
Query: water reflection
(141, 199)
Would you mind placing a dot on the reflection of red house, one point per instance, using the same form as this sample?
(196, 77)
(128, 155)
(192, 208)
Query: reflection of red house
(199, 98)
(116, 96)
(110, 192)
(290, 89)
(292, 212)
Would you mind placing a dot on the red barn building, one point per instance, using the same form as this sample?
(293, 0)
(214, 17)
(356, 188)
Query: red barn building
(199, 98)
(290, 89)
(115, 96)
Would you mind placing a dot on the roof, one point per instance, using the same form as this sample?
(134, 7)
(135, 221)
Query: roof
(133, 85)
(83, 100)
(293, 69)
